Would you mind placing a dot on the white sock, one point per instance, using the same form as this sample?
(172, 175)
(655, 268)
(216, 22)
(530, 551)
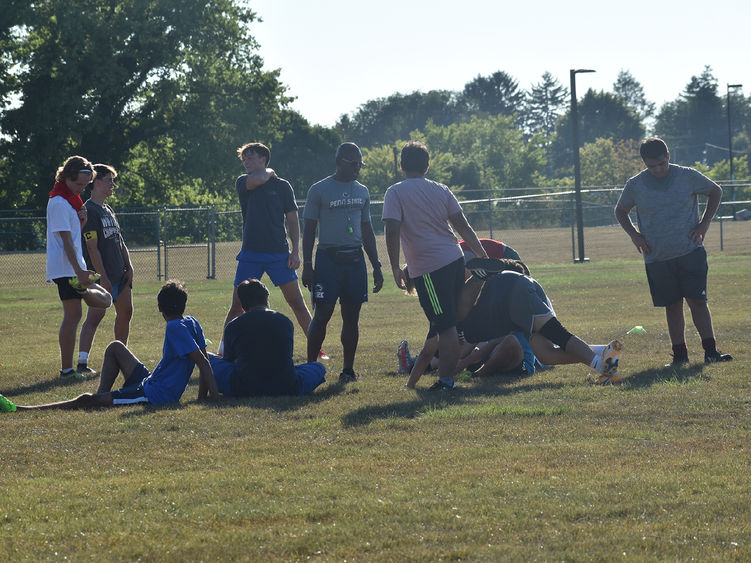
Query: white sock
(598, 349)
(220, 350)
(597, 363)
(83, 357)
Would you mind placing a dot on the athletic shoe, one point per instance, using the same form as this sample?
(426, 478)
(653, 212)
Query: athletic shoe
(72, 376)
(677, 361)
(714, 357)
(481, 267)
(6, 405)
(86, 371)
(347, 376)
(78, 286)
(610, 357)
(402, 355)
(323, 355)
(442, 386)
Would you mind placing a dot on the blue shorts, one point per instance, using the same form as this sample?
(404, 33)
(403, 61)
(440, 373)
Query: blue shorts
(529, 356)
(118, 289)
(252, 265)
(311, 375)
(346, 282)
(132, 390)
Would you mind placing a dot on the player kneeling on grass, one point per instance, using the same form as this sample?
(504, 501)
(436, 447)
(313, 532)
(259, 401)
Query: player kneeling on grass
(258, 348)
(184, 347)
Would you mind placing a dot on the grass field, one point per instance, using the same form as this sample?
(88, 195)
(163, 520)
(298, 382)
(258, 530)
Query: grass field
(548, 467)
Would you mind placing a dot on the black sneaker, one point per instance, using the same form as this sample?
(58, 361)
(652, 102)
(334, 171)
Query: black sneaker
(714, 357)
(442, 386)
(677, 362)
(86, 371)
(347, 376)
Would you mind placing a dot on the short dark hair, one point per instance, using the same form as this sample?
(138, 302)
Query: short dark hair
(654, 147)
(103, 169)
(415, 157)
(252, 293)
(172, 298)
(72, 166)
(258, 148)
(509, 264)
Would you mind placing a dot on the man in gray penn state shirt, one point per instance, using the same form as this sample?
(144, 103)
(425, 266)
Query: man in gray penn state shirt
(339, 207)
(670, 236)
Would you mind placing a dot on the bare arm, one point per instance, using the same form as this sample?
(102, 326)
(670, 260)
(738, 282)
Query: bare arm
(206, 382)
(308, 240)
(641, 244)
(70, 254)
(393, 246)
(423, 360)
(713, 203)
(369, 245)
(96, 261)
(126, 258)
(293, 230)
(460, 224)
(258, 178)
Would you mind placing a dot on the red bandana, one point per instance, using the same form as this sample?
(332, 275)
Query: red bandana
(63, 191)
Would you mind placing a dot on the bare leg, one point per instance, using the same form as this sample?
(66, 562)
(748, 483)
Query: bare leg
(294, 298)
(117, 358)
(702, 317)
(468, 297)
(68, 329)
(576, 347)
(676, 323)
(124, 313)
(448, 353)
(317, 330)
(350, 335)
(94, 316)
(97, 296)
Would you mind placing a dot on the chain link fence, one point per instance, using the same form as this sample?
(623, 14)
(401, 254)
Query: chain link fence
(193, 243)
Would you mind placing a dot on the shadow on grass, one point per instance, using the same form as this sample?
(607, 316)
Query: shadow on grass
(495, 386)
(46, 385)
(664, 375)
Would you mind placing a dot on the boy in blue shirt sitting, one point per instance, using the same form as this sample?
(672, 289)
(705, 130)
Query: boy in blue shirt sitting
(184, 347)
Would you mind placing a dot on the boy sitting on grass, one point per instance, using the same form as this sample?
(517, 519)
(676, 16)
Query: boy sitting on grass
(184, 347)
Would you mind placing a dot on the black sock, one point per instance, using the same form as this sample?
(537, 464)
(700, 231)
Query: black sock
(680, 351)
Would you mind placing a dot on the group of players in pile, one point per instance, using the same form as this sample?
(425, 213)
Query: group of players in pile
(472, 291)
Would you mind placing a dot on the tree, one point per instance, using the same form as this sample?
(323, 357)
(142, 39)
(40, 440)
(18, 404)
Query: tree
(497, 94)
(545, 102)
(628, 89)
(601, 115)
(694, 122)
(117, 81)
(610, 163)
(386, 120)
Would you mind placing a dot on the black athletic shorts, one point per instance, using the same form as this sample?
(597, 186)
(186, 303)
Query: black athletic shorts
(65, 290)
(672, 280)
(439, 293)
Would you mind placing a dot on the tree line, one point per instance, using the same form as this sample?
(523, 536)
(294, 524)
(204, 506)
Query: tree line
(166, 91)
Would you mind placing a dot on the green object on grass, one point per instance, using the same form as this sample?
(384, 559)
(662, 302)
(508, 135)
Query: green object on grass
(638, 329)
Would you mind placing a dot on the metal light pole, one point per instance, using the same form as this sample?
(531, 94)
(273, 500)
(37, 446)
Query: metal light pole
(730, 150)
(577, 166)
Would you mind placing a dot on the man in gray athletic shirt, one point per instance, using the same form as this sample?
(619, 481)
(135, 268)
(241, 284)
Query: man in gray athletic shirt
(670, 237)
(339, 206)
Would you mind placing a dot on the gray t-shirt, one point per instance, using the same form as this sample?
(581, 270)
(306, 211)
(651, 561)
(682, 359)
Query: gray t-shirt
(667, 209)
(339, 208)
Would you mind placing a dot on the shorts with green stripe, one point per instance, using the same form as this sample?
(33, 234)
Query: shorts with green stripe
(439, 293)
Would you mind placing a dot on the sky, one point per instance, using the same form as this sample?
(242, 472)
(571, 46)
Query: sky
(335, 56)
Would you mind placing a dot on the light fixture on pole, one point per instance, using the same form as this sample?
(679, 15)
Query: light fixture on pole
(577, 166)
(730, 149)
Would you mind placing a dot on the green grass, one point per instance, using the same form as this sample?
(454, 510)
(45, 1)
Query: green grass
(547, 467)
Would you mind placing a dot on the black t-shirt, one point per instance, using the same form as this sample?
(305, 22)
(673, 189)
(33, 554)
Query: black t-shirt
(260, 344)
(489, 318)
(263, 210)
(102, 226)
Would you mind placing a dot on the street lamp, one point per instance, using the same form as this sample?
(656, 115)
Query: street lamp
(730, 149)
(577, 166)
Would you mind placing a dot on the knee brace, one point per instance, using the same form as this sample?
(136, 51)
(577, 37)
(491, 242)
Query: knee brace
(554, 331)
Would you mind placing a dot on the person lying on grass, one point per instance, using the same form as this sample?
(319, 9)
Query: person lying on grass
(184, 347)
(511, 301)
